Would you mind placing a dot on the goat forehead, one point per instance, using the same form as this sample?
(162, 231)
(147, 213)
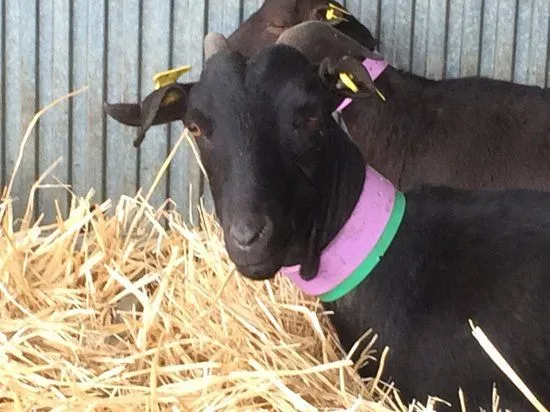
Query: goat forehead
(286, 12)
(221, 80)
(225, 70)
(290, 5)
(238, 87)
(277, 65)
(274, 6)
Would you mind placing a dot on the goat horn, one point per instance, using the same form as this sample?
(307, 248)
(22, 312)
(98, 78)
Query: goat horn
(213, 43)
(318, 40)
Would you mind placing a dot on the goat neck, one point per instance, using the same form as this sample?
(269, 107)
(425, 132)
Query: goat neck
(401, 85)
(383, 130)
(356, 250)
(342, 187)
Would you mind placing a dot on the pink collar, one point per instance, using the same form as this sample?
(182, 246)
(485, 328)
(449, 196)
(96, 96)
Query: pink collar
(357, 248)
(375, 69)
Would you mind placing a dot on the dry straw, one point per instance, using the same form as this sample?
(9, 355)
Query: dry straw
(109, 310)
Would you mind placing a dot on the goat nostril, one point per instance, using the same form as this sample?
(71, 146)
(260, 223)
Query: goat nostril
(244, 234)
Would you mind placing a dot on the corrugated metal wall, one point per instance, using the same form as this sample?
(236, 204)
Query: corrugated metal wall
(50, 47)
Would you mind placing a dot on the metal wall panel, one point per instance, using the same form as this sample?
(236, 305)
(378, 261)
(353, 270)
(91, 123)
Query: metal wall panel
(89, 23)
(123, 69)
(50, 47)
(190, 26)
(19, 92)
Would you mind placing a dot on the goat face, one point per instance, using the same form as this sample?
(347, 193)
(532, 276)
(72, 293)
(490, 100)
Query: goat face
(267, 140)
(264, 27)
(258, 125)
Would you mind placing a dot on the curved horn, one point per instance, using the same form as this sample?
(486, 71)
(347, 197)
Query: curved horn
(318, 40)
(213, 43)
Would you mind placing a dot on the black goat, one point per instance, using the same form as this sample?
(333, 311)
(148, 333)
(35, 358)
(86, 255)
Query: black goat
(466, 133)
(290, 188)
(264, 26)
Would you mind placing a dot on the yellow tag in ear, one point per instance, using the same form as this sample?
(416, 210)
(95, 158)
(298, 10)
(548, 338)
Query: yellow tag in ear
(169, 76)
(348, 82)
(335, 12)
(379, 93)
(341, 9)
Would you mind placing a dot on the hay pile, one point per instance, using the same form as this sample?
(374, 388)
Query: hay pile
(124, 307)
(113, 312)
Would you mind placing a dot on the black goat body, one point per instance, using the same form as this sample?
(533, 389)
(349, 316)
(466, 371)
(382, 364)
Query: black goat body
(460, 255)
(285, 179)
(463, 133)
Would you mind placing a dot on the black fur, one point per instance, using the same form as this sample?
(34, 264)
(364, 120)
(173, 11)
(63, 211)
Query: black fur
(460, 255)
(274, 154)
(466, 133)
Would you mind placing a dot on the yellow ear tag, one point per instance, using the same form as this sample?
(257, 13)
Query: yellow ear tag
(329, 15)
(348, 82)
(338, 8)
(380, 94)
(335, 13)
(346, 79)
(167, 77)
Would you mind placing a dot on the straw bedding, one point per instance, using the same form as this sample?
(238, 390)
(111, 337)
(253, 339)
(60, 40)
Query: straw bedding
(95, 317)
(124, 307)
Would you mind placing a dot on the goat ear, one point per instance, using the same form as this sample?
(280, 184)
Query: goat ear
(346, 77)
(164, 105)
(125, 113)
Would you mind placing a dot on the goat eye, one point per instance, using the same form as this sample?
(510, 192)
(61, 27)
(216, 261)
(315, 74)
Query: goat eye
(306, 124)
(307, 118)
(282, 21)
(195, 130)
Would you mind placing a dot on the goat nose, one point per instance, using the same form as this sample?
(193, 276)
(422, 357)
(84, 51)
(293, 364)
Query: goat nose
(245, 232)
